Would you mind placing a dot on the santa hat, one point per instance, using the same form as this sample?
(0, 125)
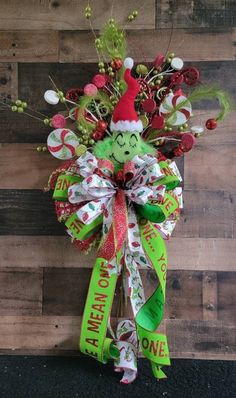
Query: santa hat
(124, 116)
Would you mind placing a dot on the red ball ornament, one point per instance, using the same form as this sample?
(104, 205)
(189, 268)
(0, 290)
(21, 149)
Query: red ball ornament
(187, 142)
(158, 122)
(211, 124)
(101, 125)
(117, 64)
(99, 80)
(149, 105)
(177, 78)
(97, 135)
(191, 75)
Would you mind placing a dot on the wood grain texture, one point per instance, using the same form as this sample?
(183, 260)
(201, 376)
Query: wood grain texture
(34, 81)
(25, 46)
(15, 127)
(191, 45)
(184, 295)
(64, 14)
(28, 168)
(191, 295)
(58, 334)
(28, 212)
(21, 291)
(207, 214)
(209, 295)
(226, 297)
(187, 14)
(65, 292)
(211, 167)
(8, 82)
(57, 251)
(78, 46)
(43, 277)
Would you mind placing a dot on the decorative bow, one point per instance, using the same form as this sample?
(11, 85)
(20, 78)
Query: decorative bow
(104, 196)
(124, 242)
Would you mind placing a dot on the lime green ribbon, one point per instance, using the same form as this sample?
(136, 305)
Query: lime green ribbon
(63, 183)
(93, 340)
(154, 345)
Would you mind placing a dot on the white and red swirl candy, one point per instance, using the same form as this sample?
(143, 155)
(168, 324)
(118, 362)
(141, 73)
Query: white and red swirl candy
(62, 143)
(176, 109)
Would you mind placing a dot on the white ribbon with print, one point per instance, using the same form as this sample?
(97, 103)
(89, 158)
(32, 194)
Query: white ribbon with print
(127, 344)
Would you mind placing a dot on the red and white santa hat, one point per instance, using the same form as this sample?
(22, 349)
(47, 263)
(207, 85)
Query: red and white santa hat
(125, 118)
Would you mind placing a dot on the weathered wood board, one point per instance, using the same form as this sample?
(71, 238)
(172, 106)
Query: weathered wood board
(43, 278)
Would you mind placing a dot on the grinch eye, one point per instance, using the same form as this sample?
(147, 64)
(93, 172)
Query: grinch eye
(133, 141)
(120, 140)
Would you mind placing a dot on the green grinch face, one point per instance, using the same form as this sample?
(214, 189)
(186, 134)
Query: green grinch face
(124, 147)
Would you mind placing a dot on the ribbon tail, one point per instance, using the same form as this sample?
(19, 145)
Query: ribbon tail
(157, 371)
(93, 340)
(128, 347)
(154, 345)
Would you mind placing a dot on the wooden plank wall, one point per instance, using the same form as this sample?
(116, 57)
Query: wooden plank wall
(43, 279)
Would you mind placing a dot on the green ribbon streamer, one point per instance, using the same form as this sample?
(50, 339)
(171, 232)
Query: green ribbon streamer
(93, 340)
(63, 183)
(158, 212)
(170, 180)
(80, 230)
(154, 345)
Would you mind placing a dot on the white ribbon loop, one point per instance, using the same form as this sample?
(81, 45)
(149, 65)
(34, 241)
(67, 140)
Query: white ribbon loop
(127, 344)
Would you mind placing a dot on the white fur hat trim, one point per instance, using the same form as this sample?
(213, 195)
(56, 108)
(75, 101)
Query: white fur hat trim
(127, 126)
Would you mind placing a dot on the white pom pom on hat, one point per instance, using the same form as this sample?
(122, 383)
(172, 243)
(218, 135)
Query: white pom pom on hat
(128, 63)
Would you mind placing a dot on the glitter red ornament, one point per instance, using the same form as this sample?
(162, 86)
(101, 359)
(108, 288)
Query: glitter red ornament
(187, 142)
(211, 124)
(101, 125)
(99, 80)
(158, 122)
(191, 75)
(116, 64)
(98, 135)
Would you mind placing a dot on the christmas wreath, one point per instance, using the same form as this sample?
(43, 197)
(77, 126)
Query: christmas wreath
(119, 187)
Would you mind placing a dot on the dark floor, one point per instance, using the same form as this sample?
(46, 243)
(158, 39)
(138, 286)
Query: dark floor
(53, 377)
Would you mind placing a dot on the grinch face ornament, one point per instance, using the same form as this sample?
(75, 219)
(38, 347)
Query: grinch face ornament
(126, 141)
(124, 146)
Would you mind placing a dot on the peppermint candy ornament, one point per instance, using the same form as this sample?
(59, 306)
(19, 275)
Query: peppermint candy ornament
(172, 110)
(62, 143)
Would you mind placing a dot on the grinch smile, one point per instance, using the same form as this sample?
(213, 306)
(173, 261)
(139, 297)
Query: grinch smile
(114, 158)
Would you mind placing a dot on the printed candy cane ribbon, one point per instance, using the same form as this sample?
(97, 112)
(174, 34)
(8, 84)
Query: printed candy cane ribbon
(153, 345)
